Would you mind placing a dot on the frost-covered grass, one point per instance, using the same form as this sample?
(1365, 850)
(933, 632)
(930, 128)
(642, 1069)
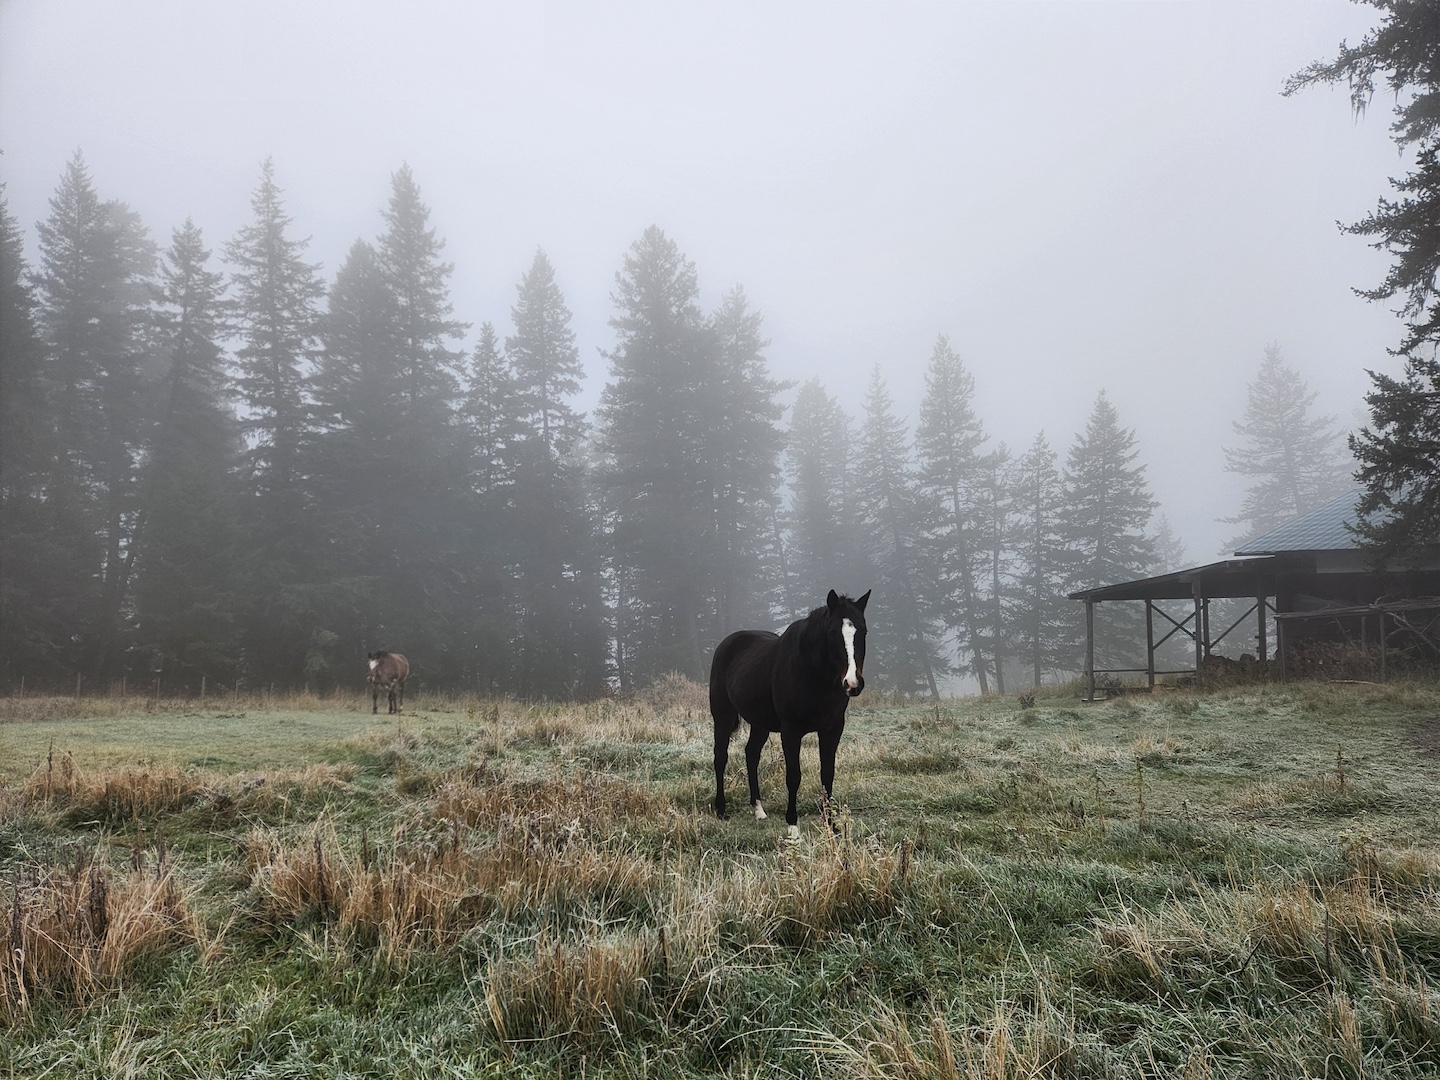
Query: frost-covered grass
(1245, 883)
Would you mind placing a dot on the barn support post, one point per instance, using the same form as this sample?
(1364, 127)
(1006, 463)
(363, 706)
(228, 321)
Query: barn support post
(1260, 627)
(1199, 634)
(1089, 650)
(1150, 643)
(1280, 649)
(1381, 615)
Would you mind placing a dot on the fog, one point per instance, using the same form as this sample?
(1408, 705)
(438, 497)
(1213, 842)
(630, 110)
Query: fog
(1082, 196)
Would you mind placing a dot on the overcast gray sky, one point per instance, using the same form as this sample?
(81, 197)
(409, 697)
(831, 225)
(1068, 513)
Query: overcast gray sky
(1081, 195)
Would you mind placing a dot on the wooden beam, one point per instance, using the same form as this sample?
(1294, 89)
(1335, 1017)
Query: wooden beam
(1090, 650)
(1260, 630)
(1150, 643)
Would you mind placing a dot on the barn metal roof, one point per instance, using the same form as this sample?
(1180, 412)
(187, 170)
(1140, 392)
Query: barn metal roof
(1231, 577)
(1323, 529)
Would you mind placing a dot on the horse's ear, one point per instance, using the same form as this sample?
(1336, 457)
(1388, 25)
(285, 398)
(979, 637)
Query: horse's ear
(832, 601)
(864, 599)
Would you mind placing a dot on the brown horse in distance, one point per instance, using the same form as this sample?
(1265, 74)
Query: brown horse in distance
(390, 670)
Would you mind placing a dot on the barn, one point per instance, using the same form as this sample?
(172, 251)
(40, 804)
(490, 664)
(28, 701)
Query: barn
(1309, 579)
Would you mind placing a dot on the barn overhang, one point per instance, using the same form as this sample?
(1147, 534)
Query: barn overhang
(1286, 586)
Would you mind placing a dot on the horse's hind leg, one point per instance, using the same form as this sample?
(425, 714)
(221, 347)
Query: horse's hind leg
(726, 721)
(753, 746)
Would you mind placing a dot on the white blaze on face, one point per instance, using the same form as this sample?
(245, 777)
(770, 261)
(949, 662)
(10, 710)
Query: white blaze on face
(847, 631)
(374, 664)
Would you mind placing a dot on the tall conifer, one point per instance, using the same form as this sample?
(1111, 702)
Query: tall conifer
(827, 549)
(886, 497)
(654, 478)
(29, 630)
(276, 295)
(93, 284)
(743, 443)
(191, 553)
(1044, 618)
(1295, 461)
(1108, 507)
(559, 638)
(951, 475)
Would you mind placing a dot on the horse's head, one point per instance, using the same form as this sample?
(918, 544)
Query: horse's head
(845, 635)
(372, 660)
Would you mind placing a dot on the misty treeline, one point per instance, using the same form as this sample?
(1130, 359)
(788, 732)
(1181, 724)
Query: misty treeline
(227, 467)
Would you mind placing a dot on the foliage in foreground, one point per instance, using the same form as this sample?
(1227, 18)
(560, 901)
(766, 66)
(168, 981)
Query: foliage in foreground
(1241, 884)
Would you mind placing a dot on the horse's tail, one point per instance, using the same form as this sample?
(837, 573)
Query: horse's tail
(727, 717)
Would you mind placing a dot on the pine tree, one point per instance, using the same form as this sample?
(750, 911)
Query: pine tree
(276, 297)
(993, 540)
(1108, 508)
(426, 526)
(654, 478)
(493, 424)
(826, 549)
(1296, 461)
(408, 253)
(1044, 617)
(188, 574)
(1399, 456)
(492, 418)
(93, 285)
(887, 501)
(390, 463)
(29, 634)
(559, 643)
(947, 444)
(743, 443)
(353, 472)
(1399, 453)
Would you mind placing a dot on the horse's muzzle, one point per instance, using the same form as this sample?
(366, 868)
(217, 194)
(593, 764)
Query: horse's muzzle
(854, 691)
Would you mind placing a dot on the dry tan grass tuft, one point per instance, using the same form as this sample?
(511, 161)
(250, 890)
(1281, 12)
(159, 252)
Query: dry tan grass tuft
(402, 898)
(1016, 1043)
(128, 793)
(115, 794)
(1309, 935)
(31, 708)
(581, 988)
(493, 798)
(75, 932)
(674, 694)
(839, 884)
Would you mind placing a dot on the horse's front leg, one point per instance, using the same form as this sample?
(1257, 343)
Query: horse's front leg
(374, 697)
(829, 744)
(753, 747)
(790, 743)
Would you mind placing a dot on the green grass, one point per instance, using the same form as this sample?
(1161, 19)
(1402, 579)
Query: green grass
(1240, 884)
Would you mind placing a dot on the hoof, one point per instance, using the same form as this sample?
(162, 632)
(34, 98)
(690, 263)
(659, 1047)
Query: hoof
(792, 833)
(759, 812)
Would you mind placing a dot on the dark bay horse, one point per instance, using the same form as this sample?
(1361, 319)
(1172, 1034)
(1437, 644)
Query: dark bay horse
(390, 670)
(794, 683)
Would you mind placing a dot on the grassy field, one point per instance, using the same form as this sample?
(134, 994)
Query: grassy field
(1239, 884)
